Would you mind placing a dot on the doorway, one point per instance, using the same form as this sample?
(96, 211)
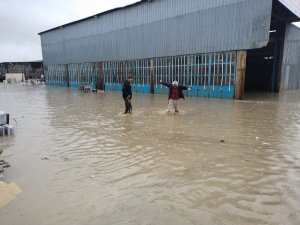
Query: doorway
(263, 67)
(260, 69)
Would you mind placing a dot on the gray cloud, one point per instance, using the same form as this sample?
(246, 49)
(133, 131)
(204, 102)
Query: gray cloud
(22, 20)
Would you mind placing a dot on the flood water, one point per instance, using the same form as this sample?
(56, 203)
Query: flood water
(79, 161)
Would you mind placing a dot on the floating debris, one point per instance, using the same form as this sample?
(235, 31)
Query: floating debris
(4, 164)
(265, 143)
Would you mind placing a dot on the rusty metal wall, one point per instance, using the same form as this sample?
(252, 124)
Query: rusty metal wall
(290, 74)
(161, 28)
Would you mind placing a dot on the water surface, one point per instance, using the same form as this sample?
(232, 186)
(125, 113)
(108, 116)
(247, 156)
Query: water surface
(79, 161)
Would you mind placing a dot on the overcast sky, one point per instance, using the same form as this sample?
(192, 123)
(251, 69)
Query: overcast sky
(22, 20)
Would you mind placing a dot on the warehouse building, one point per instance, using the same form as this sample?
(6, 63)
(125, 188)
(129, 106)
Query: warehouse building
(220, 48)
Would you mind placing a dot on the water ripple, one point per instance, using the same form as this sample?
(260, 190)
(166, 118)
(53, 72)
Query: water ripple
(217, 162)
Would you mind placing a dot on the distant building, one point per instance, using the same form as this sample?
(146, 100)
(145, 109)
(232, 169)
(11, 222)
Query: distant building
(31, 70)
(220, 48)
(14, 77)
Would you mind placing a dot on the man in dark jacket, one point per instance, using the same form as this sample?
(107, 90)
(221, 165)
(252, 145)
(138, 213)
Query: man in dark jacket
(127, 94)
(175, 93)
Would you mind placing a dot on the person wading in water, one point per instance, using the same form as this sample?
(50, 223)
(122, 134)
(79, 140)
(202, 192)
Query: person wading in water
(175, 93)
(127, 94)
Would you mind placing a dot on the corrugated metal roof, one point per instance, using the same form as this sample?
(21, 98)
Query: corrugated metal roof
(161, 28)
(292, 5)
(97, 15)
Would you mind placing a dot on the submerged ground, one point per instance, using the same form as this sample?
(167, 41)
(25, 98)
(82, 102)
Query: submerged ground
(79, 161)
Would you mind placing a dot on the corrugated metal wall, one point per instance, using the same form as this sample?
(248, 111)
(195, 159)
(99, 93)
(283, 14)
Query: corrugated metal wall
(161, 28)
(290, 78)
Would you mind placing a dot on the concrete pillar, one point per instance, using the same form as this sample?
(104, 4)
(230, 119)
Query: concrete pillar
(151, 76)
(240, 75)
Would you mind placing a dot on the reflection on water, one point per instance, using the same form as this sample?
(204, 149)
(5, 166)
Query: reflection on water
(79, 161)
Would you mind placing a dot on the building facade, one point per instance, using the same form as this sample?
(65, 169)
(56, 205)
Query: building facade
(201, 43)
(31, 70)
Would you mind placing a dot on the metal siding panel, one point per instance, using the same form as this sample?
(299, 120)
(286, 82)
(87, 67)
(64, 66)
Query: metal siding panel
(291, 59)
(161, 28)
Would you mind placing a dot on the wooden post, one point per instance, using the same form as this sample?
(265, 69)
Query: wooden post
(240, 75)
(151, 76)
(100, 83)
(67, 75)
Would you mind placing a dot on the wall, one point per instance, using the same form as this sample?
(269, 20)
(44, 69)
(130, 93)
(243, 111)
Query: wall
(290, 74)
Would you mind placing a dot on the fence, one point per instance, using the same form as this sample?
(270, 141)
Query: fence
(209, 75)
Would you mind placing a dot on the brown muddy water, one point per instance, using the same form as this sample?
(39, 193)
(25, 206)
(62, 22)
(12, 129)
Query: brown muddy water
(78, 161)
